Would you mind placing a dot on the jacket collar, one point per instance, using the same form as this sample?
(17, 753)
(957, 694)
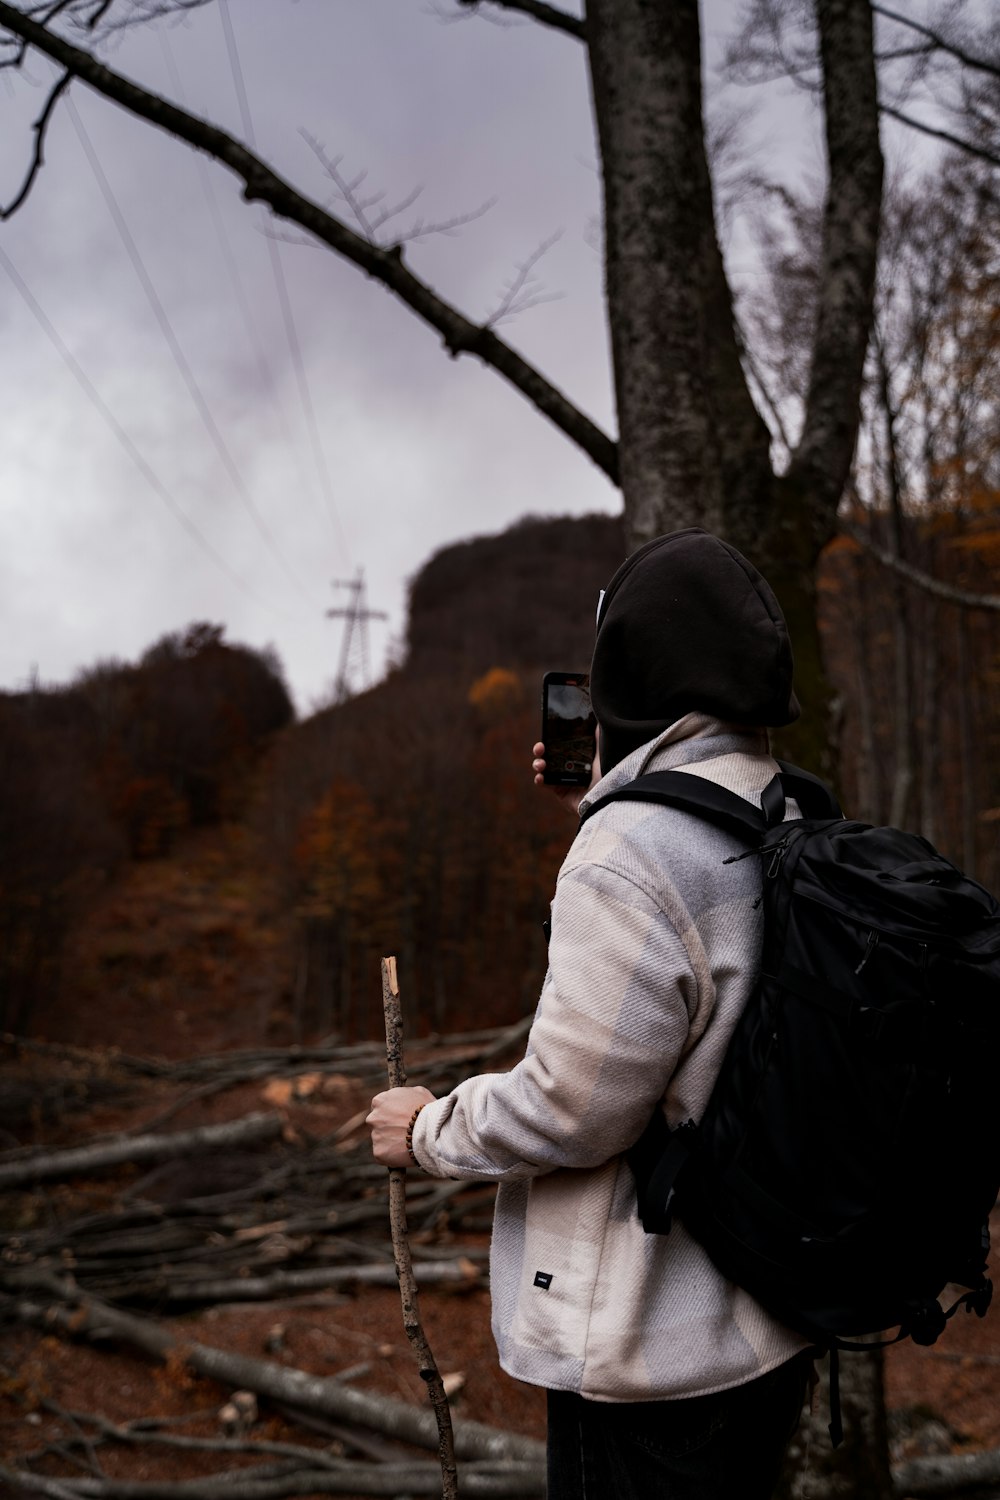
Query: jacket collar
(695, 737)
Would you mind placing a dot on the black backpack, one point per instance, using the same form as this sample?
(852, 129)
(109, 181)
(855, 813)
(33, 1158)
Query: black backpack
(845, 1167)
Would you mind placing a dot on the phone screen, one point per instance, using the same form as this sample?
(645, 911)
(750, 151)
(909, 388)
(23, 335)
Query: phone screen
(568, 728)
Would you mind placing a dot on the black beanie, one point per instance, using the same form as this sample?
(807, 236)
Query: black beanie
(687, 624)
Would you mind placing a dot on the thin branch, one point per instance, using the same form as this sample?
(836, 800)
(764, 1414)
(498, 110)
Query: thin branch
(897, 54)
(38, 157)
(938, 42)
(524, 289)
(139, 1434)
(347, 191)
(925, 581)
(458, 333)
(757, 376)
(941, 135)
(548, 15)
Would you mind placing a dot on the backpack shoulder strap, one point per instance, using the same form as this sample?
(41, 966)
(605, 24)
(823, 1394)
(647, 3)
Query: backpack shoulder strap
(726, 809)
(693, 794)
(815, 798)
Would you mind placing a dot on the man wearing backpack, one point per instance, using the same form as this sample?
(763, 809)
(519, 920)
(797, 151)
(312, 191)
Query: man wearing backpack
(663, 1378)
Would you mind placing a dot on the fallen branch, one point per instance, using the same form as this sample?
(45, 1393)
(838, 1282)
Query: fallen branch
(955, 595)
(73, 1314)
(137, 1434)
(410, 1478)
(412, 1325)
(456, 1273)
(45, 1166)
(947, 1474)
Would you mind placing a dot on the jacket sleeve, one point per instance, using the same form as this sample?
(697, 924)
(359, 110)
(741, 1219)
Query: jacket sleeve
(612, 1022)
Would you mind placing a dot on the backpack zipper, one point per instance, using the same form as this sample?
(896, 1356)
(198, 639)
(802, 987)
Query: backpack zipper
(870, 947)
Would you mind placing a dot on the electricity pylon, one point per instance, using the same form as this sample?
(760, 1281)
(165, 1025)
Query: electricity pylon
(354, 644)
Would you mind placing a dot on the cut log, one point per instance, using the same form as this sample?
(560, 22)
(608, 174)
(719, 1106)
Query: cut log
(948, 1474)
(45, 1166)
(73, 1314)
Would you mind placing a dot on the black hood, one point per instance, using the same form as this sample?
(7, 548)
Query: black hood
(688, 624)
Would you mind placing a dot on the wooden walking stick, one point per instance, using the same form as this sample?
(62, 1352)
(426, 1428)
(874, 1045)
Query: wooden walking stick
(401, 1247)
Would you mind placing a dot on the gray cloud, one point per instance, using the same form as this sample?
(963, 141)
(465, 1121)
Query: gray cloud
(421, 450)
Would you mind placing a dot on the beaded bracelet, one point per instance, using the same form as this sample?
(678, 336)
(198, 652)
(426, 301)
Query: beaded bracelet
(409, 1135)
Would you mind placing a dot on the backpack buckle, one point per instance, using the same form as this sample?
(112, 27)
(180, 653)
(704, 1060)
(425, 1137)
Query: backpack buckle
(870, 1021)
(979, 1301)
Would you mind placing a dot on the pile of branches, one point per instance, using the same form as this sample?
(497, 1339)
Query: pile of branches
(438, 1061)
(250, 1210)
(362, 1431)
(247, 1210)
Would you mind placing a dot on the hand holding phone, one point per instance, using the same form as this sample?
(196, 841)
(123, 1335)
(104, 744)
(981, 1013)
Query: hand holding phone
(569, 729)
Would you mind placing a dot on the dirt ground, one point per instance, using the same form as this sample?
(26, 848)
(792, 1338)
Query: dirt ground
(946, 1398)
(179, 961)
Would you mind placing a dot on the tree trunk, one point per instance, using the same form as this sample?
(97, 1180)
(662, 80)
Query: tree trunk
(693, 449)
(930, 739)
(868, 794)
(968, 800)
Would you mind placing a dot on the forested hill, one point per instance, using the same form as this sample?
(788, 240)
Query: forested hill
(524, 598)
(172, 845)
(407, 819)
(182, 866)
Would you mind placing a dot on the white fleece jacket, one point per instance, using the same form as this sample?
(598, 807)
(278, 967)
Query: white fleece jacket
(654, 948)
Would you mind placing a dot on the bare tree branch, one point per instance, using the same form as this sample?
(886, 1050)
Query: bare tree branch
(458, 333)
(38, 157)
(548, 15)
(925, 581)
(756, 374)
(939, 43)
(969, 147)
(370, 225)
(524, 290)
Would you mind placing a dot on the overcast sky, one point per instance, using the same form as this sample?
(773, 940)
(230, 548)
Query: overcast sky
(417, 450)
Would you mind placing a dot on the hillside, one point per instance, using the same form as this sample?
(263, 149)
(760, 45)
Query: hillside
(175, 853)
(186, 866)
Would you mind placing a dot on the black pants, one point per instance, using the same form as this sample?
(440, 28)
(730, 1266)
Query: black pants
(716, 1447)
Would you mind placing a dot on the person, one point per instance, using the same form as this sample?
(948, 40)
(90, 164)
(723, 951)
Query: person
(663, 1379)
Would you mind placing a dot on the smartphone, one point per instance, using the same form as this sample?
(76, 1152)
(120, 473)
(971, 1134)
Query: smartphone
(569, 728)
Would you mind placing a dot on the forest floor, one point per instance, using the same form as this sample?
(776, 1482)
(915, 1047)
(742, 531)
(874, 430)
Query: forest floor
(180, 960)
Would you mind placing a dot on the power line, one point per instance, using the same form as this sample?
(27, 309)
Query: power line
(97, 400)
(288, 317)
(173, 344)
(230, 262)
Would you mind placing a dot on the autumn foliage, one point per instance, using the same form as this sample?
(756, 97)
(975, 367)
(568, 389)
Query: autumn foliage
(116, 766)
(405, 820)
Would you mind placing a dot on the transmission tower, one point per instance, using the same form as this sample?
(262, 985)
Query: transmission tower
(354, 657)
